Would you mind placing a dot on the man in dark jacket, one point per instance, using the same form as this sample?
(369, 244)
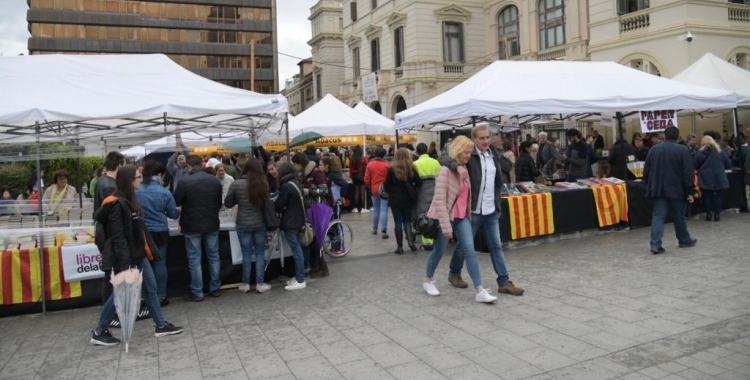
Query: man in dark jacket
(668, 174)
(577, 160)
(619, 156)
(199, 194)
(486, 182)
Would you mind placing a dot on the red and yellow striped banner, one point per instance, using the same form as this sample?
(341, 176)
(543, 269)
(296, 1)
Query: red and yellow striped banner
(611, 204)
(21, 277)
(530, 215)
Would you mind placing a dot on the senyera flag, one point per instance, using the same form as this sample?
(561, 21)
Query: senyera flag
(22, 277)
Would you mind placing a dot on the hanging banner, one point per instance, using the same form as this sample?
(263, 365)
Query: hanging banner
(607, 120)
(569, 122)
(81, 262)
(657, 121)
(370, 87)
(325, 142)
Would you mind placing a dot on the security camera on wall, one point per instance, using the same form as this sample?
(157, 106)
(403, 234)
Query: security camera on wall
(686, 37)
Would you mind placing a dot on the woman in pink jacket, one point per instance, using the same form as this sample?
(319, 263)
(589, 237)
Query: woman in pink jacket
(451, 206)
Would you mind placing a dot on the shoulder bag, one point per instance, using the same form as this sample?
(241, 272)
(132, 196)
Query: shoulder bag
(429, 227)
(306, 233)
(270, 218)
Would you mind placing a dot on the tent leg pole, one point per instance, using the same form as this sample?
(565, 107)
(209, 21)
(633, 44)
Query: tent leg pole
(736, 120)
(620, 129)
(286, 130)
(40, 213)
(80, 178)
(396, 142)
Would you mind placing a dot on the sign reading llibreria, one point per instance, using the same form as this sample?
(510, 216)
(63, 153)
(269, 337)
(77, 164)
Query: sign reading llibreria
(657, 121)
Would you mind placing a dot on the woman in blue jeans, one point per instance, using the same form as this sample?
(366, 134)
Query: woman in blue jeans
(711, 164)
(401, 183)
(291, 206)
(157, 204)
(249, 193)
(127, 245)
(451, 206)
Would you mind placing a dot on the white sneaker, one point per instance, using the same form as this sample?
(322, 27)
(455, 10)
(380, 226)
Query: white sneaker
(365, 211)
(244, 288)
(430, 288)
(291, 281)
(262, 288)
(485, 297)
(296, 286)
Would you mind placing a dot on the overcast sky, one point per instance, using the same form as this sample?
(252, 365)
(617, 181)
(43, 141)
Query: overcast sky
(293, 27)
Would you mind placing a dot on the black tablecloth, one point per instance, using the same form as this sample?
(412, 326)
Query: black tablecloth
(178, 283)
(640, 206)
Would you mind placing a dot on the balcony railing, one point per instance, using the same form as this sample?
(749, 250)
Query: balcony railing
(453, 68)
(551, 55)
(739, 13)
(633, 22)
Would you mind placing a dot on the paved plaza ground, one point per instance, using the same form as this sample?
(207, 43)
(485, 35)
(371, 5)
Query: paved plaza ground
(596, 307)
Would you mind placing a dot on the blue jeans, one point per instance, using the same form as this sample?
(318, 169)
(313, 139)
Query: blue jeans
(148, 295)
(160, 270)
(401, 216)
(677, 208)
(210, 242)
(379, 213)
(299, 262)
(490, 225)
(463, 233)
(712, 201)
(252, 238)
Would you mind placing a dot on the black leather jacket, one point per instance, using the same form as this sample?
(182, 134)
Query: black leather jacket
(199, 194)
(475, 175)
(121, 235)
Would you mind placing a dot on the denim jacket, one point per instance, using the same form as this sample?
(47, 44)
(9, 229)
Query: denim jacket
(157, 204)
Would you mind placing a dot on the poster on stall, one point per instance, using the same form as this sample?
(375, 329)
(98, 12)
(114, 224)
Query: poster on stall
(81, 262)
(657, 121)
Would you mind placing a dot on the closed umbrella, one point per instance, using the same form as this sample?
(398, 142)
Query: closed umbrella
(320, 215)
(305, 138)
(241, 144)
(127, 293)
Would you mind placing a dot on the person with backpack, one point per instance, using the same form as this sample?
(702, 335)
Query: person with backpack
(127, 244)
(712, 178)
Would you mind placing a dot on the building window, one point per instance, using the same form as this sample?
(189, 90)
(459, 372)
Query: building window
(551, 23)
(319, 86)
(374, 4)
(507, 33)
(630, 6)
(398, 46)
(741, 60)
(453, 42)
(355, 62)
(375, 54)
(645, 66)
(353, 10)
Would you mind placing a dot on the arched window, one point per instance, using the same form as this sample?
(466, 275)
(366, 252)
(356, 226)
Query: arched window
(551, 23)
(741, 60)
(507, 33)
(645, 66)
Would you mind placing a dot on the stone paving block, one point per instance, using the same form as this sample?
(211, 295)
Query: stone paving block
(608, 341)
(365, 336)
(340, 352)
(727, 363)
(740, 358)
(233, 375)
(22, 365)
(267, 366)
(96, 373)
(672, 367)
(530, 313)
(410, 338)
(508, 341)
(219, 362)
(471, 371)
(730, 375)
(313, 368)
(58, 373)
(440, 357)
(496, 361)
(416, 370)
(295, 350)
(545, 358)
(635, 376)
(138, 372)
(389, 354)
(663, 326)
(710, 369)
(457, 339)
(519, 326)
(476, 326)
(568, 326)
(673, 377)
(583, 371)
(646, 355)
(654, 372)
(561, 343)
(365, 369)
(693, 374)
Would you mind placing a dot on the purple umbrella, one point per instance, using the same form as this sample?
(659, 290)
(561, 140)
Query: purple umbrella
(320, 215)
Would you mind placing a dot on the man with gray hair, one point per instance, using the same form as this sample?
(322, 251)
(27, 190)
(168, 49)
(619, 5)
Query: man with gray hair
(547, 158)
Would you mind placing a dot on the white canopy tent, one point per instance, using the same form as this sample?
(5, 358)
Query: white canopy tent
(110, 96)
(331, 117)
(712, 71)
(364, 109)
(551, 87)
(138, 151)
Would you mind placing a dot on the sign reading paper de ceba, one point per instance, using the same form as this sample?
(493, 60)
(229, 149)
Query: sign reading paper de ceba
(81, 262)
(657, 121)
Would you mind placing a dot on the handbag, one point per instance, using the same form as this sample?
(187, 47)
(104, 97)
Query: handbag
(411, 191)
(306, 233)
(270, 218)
(429, 227)
(382, 192)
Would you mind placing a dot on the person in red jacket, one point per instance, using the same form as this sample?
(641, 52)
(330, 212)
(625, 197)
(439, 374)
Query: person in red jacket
(357, 166)
(375, 175)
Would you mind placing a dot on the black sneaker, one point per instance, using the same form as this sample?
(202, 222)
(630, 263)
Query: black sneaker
(163, 302)
(215, 294)
(689, 244)
(143, 314)
(193, 298)
(168, 329)
(658, 251)
(115, 323)
(104, 338)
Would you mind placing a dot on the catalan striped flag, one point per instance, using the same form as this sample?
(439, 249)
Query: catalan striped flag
(531, 215)
(21, 277)
(611, 204)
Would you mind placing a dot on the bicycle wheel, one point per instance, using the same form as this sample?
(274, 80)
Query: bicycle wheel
(339, 239)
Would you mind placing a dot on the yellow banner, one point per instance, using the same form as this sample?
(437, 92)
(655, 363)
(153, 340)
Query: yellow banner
(339, 141)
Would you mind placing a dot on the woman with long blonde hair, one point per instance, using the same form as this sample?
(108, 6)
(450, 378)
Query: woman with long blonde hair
(401, 184)
(711, 164)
